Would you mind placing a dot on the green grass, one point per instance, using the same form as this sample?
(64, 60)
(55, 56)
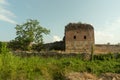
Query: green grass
(51, 68)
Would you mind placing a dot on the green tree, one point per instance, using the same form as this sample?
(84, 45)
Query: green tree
(29, 32)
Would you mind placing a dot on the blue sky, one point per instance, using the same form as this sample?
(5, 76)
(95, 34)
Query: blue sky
(104, 15)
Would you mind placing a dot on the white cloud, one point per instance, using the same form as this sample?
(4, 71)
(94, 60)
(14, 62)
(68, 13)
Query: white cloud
(5, 14)
(102, 37)
(5, 18)
(3, 2)
(110, 33)
(56, 38)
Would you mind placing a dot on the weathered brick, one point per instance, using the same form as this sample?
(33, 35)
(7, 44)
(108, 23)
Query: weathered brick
(79, 37)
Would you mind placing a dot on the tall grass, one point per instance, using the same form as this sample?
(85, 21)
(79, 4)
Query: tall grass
(39, 68)
(51, 68)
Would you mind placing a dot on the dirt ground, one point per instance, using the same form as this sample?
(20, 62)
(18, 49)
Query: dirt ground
(88, 76)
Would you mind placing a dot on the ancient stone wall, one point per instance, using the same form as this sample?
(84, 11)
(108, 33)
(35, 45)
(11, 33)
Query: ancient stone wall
(79, 37)
(105, 48)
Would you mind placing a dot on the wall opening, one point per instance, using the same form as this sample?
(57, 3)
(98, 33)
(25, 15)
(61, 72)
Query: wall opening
(74, 37)
(85, 37)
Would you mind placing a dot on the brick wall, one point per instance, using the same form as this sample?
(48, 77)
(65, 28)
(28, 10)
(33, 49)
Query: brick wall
(79, 37)
(105, 48)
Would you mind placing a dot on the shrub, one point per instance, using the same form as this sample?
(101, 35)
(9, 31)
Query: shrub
(3, 47)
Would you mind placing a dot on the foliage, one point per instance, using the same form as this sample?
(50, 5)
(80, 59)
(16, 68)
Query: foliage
(3, 48)
(14, 45)
(28, 33)
(108, 56)
(92, 51)
(38, 47)
(58, 45)
(52, 68)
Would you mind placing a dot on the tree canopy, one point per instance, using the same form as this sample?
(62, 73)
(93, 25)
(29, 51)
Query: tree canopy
(29, 32)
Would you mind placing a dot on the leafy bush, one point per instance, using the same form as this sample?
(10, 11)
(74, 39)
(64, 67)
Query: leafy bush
(3, 47)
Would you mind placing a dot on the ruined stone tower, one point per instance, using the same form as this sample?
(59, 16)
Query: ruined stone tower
(79, 37)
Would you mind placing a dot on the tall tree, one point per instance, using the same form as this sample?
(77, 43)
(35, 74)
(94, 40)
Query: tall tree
(28, 32)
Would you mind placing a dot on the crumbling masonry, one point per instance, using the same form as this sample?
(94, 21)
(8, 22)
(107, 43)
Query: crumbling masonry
(79, 38)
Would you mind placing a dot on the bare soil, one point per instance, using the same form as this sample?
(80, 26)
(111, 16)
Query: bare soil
(88, 76)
